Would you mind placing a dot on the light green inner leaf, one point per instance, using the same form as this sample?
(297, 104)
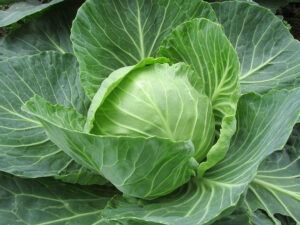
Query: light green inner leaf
(154, 100)
(202, 44)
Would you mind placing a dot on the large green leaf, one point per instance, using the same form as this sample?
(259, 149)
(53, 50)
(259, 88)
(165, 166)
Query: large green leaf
(111, 34)
(268, 53)
(20, 10)
(204, 199)
(203, 45)
(25, 149)
(41, 35)
(141, 167)
(276, 187)
(46, 201)
(257, 136)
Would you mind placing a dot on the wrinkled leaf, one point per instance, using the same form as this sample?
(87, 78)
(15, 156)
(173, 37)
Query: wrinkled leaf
(268, 53)
(40, 35)
(22, 9)
(202, 200)
(154, 99)
(110, 34)
(25, 149)
(276, 187)
(46, 201)
(121, 160)
(203, 45)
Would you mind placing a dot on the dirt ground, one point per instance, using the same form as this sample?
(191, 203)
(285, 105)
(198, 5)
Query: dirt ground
(291, 14)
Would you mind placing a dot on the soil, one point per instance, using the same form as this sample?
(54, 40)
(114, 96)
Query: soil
(291, 13)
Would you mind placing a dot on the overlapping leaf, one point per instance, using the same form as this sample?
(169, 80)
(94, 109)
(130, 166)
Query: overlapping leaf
(203, 45)
(46, 201)
(169, 105)
(205, 198)
(260, 218)
(41, 35)
(240, 216)
(122, 160)
(20, 10)
(120, 33)
(24, 147)
(276, 187)
(268, 53)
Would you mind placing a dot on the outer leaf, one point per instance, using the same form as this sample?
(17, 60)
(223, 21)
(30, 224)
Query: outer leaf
(46, 201)
(140, 167)
(24, 147)
(203, 45)
(257, 136)
(239, 216)
(20, 10)
(77, 174)
(260, 218)
(41, 35)
(276, 187)
(110, 34)
(268, 53)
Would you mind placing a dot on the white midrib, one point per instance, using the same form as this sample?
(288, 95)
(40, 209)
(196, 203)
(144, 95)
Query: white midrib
(141, 35)
(277, 188)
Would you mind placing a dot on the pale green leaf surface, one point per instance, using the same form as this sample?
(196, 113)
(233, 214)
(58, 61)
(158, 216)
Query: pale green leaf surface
(268, 53)
(203, 45)
(276, 187)
(46, 201)
(109, 34)
(140, 167)
(257, 136)
(110, 83)
(20, 10)
(25, 149)
(40, 35)
(154, 99)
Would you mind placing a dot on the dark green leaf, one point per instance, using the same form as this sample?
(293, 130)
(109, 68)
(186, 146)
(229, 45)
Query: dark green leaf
(111, 34)
(268, 53)
(276, 187)
(25, 149)
(22, 9)
(40, 35)
(46, 201)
